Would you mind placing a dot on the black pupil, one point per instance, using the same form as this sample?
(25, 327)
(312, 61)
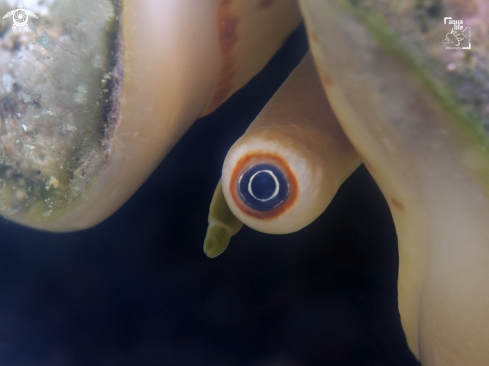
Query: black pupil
(263, 187)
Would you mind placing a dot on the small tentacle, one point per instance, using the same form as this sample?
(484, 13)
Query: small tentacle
(222, 225)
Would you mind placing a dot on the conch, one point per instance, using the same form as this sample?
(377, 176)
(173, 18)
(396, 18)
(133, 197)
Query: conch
(95, 94)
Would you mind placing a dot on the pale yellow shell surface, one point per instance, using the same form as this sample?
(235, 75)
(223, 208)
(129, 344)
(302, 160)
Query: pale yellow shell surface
(429, 158)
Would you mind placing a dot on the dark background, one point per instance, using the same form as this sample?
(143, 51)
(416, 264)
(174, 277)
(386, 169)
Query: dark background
(138, 290)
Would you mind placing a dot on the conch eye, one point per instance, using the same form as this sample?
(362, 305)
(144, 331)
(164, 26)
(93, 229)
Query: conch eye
(264, 185)
(261, 187)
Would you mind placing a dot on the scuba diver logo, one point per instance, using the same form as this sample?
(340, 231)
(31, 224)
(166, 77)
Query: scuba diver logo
(20, 17)
(459, 36)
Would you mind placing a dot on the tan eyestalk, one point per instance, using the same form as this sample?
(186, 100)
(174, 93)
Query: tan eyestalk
(392, 84)
(95, 93)
(284, 171)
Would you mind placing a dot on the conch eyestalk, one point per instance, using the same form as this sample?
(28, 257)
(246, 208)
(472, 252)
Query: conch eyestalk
(432, 168)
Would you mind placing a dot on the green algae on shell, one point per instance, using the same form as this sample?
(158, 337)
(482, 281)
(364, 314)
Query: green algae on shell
(59, 87)
(429, 159)
(458, 79)
(159, 66)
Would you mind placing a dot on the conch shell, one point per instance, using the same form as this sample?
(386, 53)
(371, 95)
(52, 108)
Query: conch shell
(114, 86)
(428, 151)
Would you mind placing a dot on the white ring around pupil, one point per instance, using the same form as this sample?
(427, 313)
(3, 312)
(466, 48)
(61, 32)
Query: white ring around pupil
(276, 185)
